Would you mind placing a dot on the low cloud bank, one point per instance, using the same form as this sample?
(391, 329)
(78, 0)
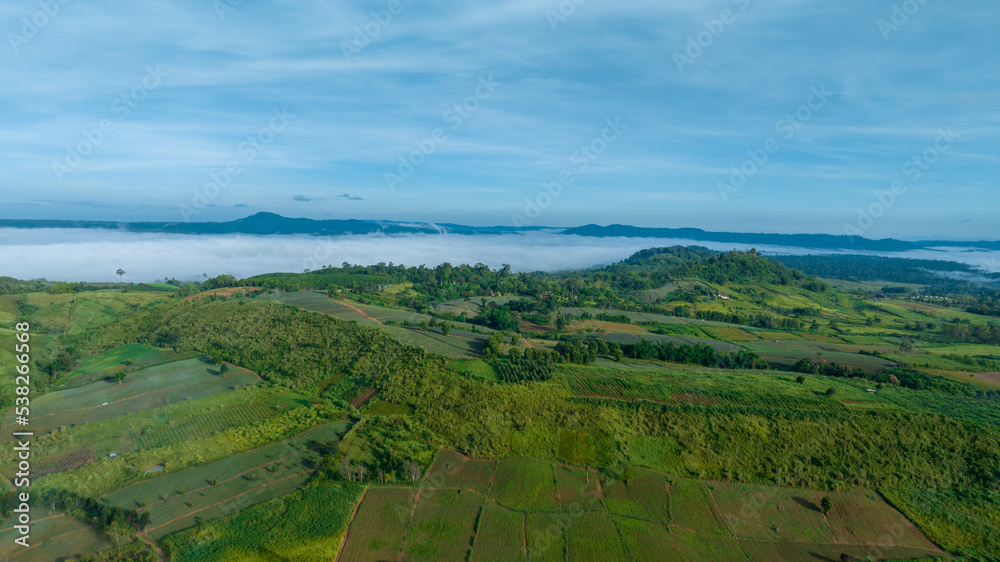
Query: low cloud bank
(95, 255)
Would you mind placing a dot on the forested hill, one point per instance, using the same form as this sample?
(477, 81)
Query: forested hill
(677, 262)
(266, 224)
(818, 241)
(271, 223)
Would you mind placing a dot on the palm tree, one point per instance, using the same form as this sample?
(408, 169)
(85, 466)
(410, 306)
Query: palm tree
(120, 273)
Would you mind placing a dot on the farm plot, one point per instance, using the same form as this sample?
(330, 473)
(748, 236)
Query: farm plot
(767, 551)
(577, 488)
(305, 526)
(594, 537)
(224, 487)
(729, 334)
(546, 537)
(500, 536)
(717, 389)
(176, 373)
(782, 514)
(769, 513)
(453, 470)
(698, 547)
(54, 536)
(115, 361)
(645, 496)
(110, 403)
(379, 526)
(692, 510)
(527, 484)
(457, 344)
(864, 518)
(648, 541)
(444, 525)
(211, 422)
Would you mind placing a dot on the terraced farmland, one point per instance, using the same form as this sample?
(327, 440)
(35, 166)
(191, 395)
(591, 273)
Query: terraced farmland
(649, 517)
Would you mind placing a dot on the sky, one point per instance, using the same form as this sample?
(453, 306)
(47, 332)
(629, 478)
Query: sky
(873, 117)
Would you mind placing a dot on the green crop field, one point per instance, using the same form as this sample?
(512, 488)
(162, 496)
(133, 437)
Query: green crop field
(306, 525)
(444, 525)
(227, 486)
(692, 508)
(645, 540)
(500, 535)
(113, 401)
(107, 364)
(525, 484)
(712, 388)
(378, 529)
(645, 496)
(594, 537)
(53, 536)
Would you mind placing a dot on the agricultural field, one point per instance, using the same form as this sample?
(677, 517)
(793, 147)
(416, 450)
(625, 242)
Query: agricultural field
(500, 535)
(379, 526)
(53, 536)
(306, 525)
(716, 388)
(224, 487)
(146, 389)
(645, 518)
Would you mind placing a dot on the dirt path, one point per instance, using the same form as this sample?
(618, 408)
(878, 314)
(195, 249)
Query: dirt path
(347, 530)
(358, 310)
(159, 551)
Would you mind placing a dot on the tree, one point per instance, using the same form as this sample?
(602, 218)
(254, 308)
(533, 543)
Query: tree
(224, 368)
(905, 345)
(120, 273)
(800, 379)
(445, 329)
(830, 391)
(561, 322)
(825, 504)
(120, 376)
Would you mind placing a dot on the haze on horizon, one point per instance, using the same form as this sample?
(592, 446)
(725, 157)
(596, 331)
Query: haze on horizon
(210, 111)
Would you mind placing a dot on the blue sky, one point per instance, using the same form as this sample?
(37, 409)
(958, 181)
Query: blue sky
(134, 110)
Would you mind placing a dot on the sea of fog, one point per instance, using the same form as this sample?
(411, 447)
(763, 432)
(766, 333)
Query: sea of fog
(95, 255)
